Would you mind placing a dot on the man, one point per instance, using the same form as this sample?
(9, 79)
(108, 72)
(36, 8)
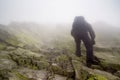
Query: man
(82, 31)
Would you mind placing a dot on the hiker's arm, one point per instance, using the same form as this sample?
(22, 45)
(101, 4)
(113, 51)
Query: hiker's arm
(92, 33)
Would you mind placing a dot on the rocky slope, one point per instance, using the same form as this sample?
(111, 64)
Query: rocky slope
(32, 52)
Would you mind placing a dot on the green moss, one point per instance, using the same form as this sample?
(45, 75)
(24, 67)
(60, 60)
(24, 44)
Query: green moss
(13, 42)
(97, 77)
(4, 56)
(20, 76)
(62, 61)
(2, 46)
(78, 68)
(84, 74)
(21, 62)
(42, 64)
(58, 70)
(4, 74)
(25, 38)
(26, 58)
(109, 66)
(10, 48)
(34, 67)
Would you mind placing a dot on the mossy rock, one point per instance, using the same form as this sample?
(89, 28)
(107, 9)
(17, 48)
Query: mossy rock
(26, 58)
(62, 61)
(18, 76)
(96, 77)
(59, 77)
(58, 70)
(10, 48)
(41, 64)
(2, 46)
(24, 52)
(4, 74)
(110, 67)
(21, 62)
(27, 61)
(12, 41)
(4, 55)
(77, 66)
(7, 64)
(117, 73)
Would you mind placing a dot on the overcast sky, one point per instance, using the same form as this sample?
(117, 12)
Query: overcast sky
(59, 11)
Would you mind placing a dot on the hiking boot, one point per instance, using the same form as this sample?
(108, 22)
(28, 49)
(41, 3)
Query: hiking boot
(78, 55)
(95, 62)
(89, 65)
(96, 59)
(90, 62)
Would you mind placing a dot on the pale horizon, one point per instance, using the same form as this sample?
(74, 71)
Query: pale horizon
(59, 11)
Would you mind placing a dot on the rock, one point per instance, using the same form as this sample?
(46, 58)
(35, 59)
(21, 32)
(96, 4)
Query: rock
(4, 74)
(42, 64)
(117, 73)
(7, 64)
(96, 77)
(109, 60)
(59, 77)
(104, 74)
(9, 48)
(58, 70)
(24, 52)
(34, 74)
(2, 46)
(80, 74)
(15, 75)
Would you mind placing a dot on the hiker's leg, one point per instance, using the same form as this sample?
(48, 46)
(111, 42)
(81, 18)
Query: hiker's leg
(78, 49)
(89, 49)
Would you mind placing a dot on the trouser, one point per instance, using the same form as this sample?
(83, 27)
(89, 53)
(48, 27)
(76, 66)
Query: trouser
(88, 45)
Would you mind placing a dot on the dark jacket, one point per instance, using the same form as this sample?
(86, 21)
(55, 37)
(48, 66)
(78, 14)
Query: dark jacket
(82, 28)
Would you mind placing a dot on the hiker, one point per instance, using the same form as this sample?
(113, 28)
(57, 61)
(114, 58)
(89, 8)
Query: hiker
(82, 31)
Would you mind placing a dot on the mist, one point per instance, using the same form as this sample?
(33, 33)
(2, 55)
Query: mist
(37, 22)
(56, 11)
(37, 41)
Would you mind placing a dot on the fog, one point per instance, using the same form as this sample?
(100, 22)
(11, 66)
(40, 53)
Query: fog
(59, 11)
(39, 41)
(47, 20)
